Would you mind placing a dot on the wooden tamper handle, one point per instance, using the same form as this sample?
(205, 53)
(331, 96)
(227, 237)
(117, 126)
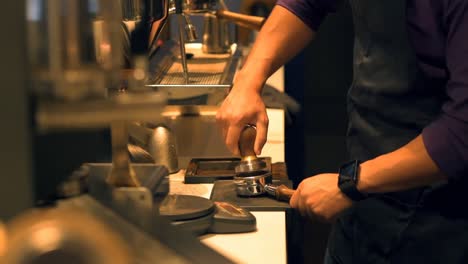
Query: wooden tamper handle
(283, 193)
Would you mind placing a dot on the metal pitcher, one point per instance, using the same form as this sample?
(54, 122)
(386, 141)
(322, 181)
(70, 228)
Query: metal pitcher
(216, 38)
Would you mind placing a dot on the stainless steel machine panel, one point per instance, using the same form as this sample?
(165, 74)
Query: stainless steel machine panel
(208, 73)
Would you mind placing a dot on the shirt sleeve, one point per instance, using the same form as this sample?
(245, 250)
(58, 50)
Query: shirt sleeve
(311, 12)
(446, 139)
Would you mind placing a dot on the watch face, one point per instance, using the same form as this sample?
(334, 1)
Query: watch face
(348, 177)
(349, 171)
(342, 179)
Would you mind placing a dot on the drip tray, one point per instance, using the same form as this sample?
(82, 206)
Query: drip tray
(208, 73)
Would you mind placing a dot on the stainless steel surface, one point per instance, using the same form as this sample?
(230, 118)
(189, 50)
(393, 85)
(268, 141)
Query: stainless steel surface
(74, 48)
(135, 204)
(158, 25)
(76, 184)
(136, 80)
(83, 230)
(144, 247)
(202, 72)
(161, 242)
(154, 143)
(252, 185)
(131, 10)
(141, 14)
(122, 173)
(163, 148)
(93, 231)
(183, 55)
(139, 134)
(216, 38)
(99, 113)
(152, 176)
(207, 75)
(199, 6)
(270, 189)
(196, 132)
(190, 30)
(76, 58)
(187, 32)
(139, 154)
(251, 167)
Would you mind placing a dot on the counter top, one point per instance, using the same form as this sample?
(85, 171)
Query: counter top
(266, 245)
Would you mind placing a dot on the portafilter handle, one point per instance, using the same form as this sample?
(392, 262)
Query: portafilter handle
(281, 192)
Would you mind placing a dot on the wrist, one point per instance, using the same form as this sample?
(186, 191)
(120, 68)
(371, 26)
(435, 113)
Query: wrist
(247, 82)
(255, 73)
(365, 177)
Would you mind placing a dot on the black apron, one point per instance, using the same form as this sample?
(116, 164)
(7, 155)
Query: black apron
(388, 106)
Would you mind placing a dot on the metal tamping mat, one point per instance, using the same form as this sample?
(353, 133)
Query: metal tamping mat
(199, 215)
(184, 207)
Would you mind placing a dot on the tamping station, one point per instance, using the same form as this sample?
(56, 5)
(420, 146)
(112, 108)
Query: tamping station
(252, 175)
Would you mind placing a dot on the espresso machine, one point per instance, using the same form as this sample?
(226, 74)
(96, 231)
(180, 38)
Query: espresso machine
(85, 68)
(194, 66)
(205, 68)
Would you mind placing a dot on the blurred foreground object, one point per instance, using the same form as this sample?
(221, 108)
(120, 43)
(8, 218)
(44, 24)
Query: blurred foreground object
(3, 239)
(75, 48)
(63, 236)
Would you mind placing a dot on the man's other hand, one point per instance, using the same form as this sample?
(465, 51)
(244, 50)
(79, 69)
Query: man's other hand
(319, 197)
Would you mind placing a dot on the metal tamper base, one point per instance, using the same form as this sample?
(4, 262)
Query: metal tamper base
(252, 173)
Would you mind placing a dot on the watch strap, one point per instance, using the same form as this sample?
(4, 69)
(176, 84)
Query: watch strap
(348, 179)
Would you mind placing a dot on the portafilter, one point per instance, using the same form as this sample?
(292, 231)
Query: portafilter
(253, 178)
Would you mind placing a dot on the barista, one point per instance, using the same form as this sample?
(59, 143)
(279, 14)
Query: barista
(407, 134)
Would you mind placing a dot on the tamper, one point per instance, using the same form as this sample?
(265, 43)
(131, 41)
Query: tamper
(252, 173)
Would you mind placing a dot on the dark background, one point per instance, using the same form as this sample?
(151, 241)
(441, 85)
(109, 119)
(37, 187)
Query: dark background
(319, 78)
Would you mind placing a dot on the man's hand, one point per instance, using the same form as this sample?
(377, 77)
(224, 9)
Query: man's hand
(319, 197)
(243, 106)
(282, 37)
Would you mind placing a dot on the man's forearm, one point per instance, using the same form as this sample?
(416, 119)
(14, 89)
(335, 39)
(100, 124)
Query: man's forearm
(280, 39)
(406, 168)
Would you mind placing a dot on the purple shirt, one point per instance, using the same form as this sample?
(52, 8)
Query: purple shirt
(438, 32)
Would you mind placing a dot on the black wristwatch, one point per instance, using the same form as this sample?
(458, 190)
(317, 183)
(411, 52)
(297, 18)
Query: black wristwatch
(348, 179)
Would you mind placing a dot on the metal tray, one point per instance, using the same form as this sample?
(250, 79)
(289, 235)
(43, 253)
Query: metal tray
(209, 170)
(208, 73)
